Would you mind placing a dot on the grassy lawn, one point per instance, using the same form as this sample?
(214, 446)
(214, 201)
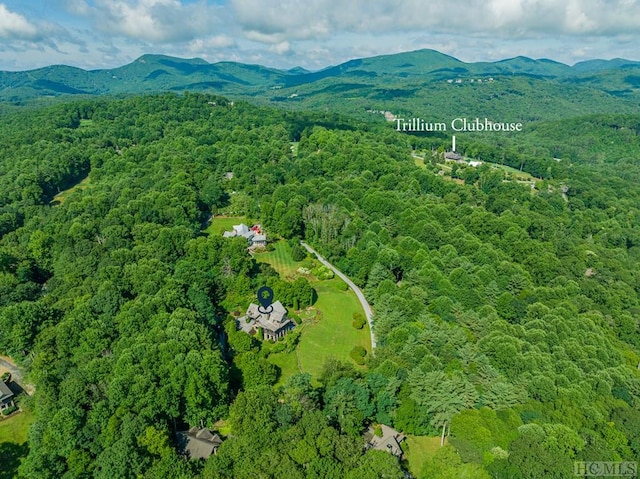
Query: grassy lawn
(512, 171)
(418, 449)
(280, 259)
(60, 197)
(332, 336)
(288, 364)
(13, 445)
(220, 224)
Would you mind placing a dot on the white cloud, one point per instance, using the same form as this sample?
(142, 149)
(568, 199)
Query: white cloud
(156, 21)
(281, 48)
(314, 33)
(215, 42)
(77, 7)
(15, 26)
(577, 20)
(273, 22)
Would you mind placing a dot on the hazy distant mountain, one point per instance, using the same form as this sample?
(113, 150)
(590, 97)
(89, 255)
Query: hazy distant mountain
(533, 87)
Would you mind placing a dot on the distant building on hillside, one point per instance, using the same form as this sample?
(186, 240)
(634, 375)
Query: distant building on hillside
(275, 324)
(254, 235)
(453, 156)
(198, 443)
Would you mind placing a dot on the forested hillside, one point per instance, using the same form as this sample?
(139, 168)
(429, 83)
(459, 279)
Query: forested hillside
(423, 83)
(507, 315)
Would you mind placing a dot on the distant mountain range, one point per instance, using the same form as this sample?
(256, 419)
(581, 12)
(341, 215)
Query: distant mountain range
(399, 81)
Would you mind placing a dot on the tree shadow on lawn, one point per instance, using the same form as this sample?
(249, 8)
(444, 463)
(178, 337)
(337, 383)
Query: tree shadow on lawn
(10, 456)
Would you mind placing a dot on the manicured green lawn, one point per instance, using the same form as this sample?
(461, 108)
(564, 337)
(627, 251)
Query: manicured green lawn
(13, 445)
(220, 224)
(512, 171)
(418, 449)
(280, 259)
(288, 364)
(333, 336)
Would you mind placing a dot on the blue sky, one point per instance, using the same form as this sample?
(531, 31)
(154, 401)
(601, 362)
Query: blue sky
(314, 33)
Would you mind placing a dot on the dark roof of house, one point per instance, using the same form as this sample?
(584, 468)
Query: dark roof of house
(198, 443)
(5, 392)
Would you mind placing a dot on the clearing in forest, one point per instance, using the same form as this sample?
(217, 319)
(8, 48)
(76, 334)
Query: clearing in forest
(220, 224)
(63, 195)
(418, 450)
(329, 332)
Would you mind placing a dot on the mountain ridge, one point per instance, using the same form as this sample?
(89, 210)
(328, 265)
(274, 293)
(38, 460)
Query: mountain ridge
(388, 81)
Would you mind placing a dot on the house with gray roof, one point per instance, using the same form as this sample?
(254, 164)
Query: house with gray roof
(198, 443)
(254, 235)
(273, 320)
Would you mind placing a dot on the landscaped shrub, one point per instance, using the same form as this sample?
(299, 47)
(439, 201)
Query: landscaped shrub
(358, 354)
(323, 273)
(298, 253)
(309, 263)
(10, 410)
(359, 320)
(342, 286)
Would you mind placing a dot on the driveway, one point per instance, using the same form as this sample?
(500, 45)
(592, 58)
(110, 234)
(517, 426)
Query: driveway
(363, 301)
(16, 374)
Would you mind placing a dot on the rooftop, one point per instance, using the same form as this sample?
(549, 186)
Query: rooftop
(5, 392)
(198, 443)
(390, 440)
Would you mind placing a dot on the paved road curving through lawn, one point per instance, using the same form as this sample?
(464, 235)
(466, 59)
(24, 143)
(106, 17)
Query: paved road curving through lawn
(363, 301)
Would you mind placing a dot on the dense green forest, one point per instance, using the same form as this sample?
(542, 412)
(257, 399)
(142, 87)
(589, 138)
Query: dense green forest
(507, 316)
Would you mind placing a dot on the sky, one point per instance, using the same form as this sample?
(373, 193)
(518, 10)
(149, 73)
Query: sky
(314, 34)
